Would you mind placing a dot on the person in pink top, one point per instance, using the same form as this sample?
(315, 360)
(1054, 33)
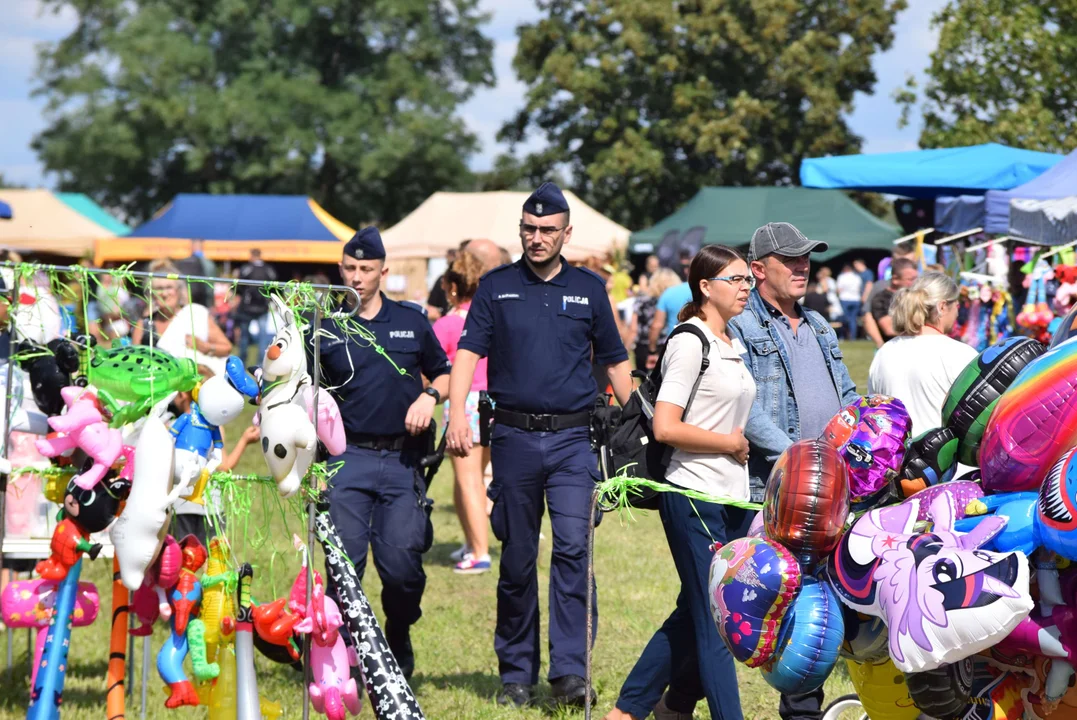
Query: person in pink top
(460, 282)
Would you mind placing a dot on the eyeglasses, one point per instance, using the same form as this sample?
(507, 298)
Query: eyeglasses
(547, 231)
(163, 288)
(748, 280)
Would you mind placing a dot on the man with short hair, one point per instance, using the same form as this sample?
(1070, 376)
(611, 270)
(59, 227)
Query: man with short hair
(437, 302)
(378, 496)
(794, 357)
(486, 251)
(903, 273)
(538, 320)
(252, 312)
(198, 264)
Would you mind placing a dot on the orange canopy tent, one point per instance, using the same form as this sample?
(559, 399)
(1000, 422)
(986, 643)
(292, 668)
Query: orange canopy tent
(285, 228)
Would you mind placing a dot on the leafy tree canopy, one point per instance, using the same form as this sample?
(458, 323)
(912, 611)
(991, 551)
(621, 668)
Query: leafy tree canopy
(351, 102)
(644, 102)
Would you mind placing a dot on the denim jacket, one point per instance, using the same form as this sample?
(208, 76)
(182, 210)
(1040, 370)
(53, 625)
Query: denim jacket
(774, 422)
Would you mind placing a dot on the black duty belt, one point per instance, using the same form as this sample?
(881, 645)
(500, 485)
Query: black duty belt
(377, 442)
(542, 423)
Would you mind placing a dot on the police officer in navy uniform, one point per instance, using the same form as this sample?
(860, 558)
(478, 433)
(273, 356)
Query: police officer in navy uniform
(537, 321)
(379, 495)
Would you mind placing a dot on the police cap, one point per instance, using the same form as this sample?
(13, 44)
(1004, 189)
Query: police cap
(366, 245)
(547, 200)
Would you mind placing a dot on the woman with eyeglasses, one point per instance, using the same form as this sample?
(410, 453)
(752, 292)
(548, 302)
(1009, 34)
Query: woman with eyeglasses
(920, 365)
(704, 426)
(179, 327)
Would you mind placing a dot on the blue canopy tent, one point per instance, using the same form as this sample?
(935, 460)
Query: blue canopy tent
(285, 228)
(929, 173)
(992, 210)
(5, 211)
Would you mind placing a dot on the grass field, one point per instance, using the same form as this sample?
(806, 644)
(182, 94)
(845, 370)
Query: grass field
(456, 674)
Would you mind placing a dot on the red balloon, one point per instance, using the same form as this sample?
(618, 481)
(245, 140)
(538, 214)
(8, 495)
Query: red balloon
(807, 499)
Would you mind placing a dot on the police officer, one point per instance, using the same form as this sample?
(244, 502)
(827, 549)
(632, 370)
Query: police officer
(379, 495)
(537, 320)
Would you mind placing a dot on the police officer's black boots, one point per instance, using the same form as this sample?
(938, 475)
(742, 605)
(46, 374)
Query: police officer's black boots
(514, 694)
(399, 639)
(571, 690)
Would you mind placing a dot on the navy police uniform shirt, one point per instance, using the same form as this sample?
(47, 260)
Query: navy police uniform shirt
(373, 396)
(538, 336)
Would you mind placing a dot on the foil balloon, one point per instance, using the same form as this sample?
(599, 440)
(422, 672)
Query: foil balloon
(882, 690)
(978, 388)
(865, 637)
(967, 496)
(809, 642)
(48, 688)
(870, 434)
(752, 583)
(941, 596)
(943, 692)
(1033, 424)
(930, 459)
(807, 500)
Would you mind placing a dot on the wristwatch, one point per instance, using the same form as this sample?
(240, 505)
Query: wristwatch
(432, 392)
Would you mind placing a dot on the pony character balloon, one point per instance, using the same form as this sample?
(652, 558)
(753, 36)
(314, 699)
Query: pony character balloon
(752, 583)
(807, 499)
(1034, 423)
(941, 597)
(870, 434)
(83, 427)
(810, 640)
(978, 388)
(142, 526)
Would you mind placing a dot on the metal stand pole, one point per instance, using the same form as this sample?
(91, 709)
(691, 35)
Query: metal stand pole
(311, 510)
(130, 686)
(145, 671)
(13, 303)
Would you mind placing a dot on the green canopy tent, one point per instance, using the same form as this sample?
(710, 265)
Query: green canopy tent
(729, 216)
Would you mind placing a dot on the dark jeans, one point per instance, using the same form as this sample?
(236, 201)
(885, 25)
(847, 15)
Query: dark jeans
(263, 338)
(850, 314)
(689, 632)
(807, 706)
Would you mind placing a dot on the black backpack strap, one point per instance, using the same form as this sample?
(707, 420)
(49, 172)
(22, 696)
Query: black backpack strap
(698, 332)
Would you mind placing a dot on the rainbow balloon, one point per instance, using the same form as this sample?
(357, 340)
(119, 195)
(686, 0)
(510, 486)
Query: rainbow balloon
(1034, 423)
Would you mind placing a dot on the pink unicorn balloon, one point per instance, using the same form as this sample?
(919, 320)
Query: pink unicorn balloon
(942, 597)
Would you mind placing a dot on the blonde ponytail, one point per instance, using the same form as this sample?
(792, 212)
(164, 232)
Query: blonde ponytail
(917, 306)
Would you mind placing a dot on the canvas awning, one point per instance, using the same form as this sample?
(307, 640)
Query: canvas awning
(285, 228)
(1047, 222)
(445, 219)
(729, 216)
(972, 170)
(992, 211)
(41, 222)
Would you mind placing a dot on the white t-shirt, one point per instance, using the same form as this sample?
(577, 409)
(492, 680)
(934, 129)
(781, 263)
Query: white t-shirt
(850, 286)
(919, 371)
(721, 405)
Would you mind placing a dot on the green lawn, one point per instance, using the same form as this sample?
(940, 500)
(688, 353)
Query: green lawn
(456, 673)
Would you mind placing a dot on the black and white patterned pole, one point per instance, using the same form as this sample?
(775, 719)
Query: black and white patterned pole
(391, 698)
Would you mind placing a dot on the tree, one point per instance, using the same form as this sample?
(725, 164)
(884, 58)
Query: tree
(1003, 72)
(645, 101)
(351, 102)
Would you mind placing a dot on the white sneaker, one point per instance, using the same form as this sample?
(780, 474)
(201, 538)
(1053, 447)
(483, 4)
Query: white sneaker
(458, 555)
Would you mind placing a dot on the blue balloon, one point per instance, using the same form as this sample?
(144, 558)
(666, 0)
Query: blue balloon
(809, 642)
(1020, 532)
(48, 690)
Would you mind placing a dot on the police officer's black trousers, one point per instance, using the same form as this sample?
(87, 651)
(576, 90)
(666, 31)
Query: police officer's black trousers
(533, 469)
(378, 498)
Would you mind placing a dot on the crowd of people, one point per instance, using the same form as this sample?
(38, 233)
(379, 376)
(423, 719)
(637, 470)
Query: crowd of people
(537, 340)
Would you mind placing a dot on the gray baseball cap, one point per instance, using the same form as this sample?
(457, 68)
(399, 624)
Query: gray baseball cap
(784, 239)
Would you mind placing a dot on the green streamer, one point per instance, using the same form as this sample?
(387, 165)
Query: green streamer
(619, 490)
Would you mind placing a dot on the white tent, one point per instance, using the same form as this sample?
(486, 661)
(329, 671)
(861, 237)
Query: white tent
(446, 219)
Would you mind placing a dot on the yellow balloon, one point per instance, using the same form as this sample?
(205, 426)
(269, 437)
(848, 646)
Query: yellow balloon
(882, 690)
(222, 701)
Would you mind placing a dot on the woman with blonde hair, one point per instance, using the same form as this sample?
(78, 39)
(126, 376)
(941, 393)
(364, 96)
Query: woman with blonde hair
(920, 365)
(460, 282)
(179, 327)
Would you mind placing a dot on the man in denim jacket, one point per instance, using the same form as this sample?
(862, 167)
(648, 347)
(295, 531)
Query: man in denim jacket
(801, 380)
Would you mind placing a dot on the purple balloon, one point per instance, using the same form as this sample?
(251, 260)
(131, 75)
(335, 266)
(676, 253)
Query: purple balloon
(870, 434)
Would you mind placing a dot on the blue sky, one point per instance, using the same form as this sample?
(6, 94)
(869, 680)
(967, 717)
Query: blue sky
(875, 117)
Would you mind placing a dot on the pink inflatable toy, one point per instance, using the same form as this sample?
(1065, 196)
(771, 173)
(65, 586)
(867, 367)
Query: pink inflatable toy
(83, 427)
(333, 689)
(29, 604)
(150, 601)
(330, 425)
